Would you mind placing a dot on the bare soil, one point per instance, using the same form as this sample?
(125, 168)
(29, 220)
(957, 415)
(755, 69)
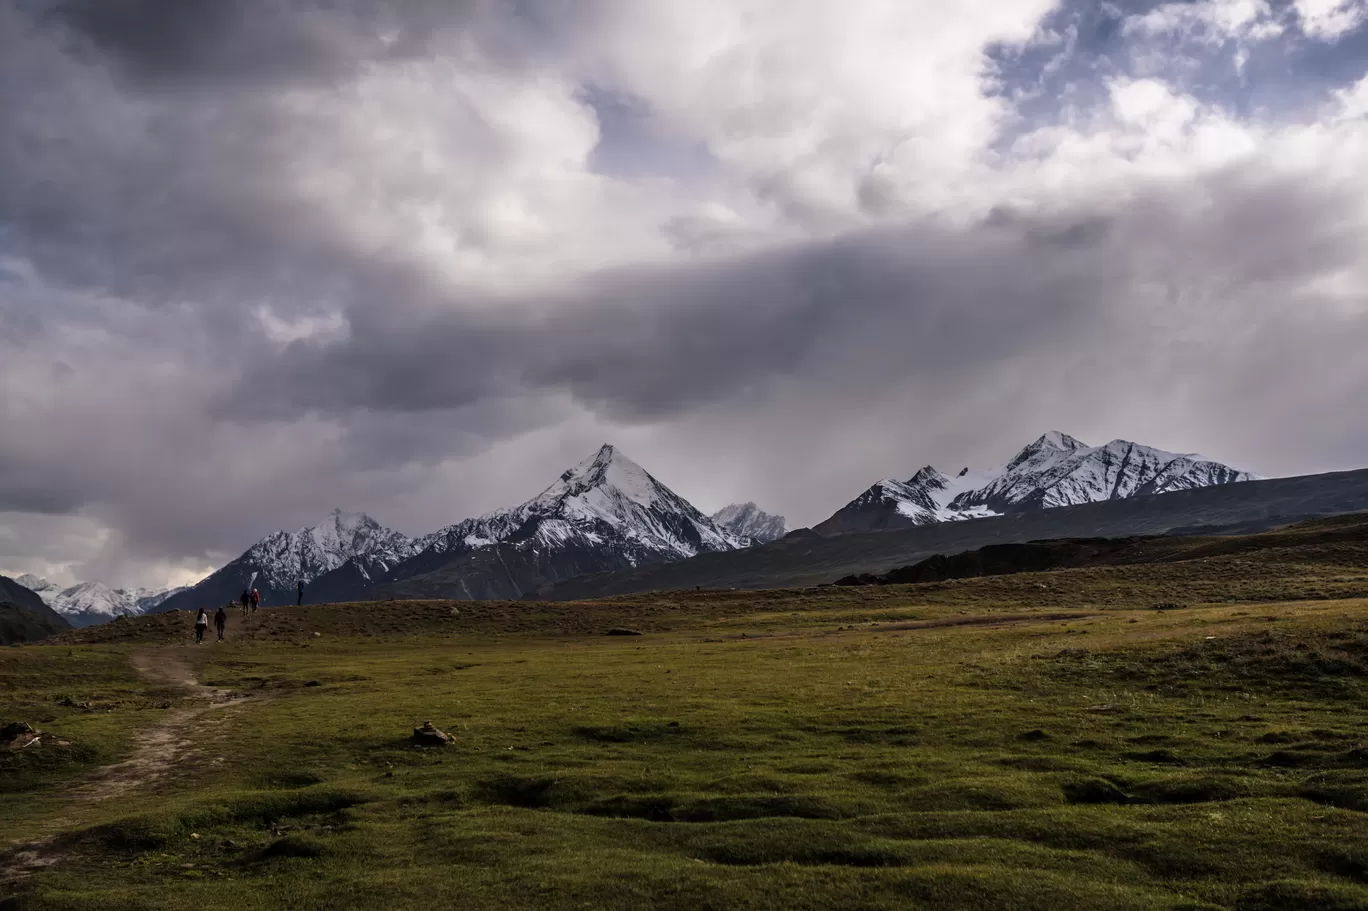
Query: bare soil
(157, 750)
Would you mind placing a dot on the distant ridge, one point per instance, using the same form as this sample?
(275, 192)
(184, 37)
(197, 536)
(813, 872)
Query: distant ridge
(1055, 470)
(746, 520)
(344, 544)
(809, 559)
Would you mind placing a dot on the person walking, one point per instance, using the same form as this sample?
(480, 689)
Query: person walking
(201, 624)
(220, 621)
(301, 593)
(245, 599)
(256, 600)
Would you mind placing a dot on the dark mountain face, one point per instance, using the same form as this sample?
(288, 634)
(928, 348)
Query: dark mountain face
(19, 624)
(25, 617)
(1054, 470)
(505, 571)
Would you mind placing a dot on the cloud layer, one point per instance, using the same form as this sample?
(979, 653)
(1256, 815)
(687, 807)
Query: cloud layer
(262, 258)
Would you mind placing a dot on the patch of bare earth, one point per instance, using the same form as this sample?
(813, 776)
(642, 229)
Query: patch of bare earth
(157, 750)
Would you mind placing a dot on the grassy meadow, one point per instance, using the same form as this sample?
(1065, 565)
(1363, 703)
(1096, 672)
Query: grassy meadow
(1038, 741)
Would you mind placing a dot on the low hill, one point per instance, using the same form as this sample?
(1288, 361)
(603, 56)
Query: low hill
(811, 559)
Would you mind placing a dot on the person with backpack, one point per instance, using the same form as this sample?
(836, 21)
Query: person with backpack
(256, 600)
(301, 593)
(245, 599)
(220, 621)
(201, 624)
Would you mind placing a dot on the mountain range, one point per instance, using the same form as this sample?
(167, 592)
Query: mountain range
(1054, 470)
(608, 514)
(339, 556)
(803, 558)
(88, 603)
(605, 513)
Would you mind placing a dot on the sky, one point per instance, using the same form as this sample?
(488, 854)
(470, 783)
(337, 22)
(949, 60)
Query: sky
(264, 258)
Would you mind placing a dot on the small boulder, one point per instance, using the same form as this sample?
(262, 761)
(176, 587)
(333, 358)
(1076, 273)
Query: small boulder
(429, 736)
(623, 631)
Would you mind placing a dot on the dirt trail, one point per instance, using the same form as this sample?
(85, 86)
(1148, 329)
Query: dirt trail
(157, 750)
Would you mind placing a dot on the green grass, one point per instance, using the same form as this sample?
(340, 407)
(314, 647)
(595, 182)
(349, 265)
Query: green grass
(954, 745)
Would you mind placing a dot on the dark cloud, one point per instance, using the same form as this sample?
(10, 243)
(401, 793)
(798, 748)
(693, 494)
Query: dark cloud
(922, 299)
(184, 44)
(262, 259)
(648, 344)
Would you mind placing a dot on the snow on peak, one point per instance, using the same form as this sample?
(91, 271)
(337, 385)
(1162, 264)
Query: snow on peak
(929, 477)
(606, 501)
(285, 558)
(606, 469)
(1060, 440)
(609, 490)
(746, 520)
(41, 587)
(1091, 474)
(1047, 448)
(1054, 470)
(94, 602)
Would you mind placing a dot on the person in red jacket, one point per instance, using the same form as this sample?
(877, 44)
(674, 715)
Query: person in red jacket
(256, 600)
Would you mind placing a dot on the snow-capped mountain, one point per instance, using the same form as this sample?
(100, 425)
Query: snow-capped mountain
(41, 587)
(284, 558)
(345, 545)
(88, 603)
(1054, 470)
(606, 513)
(746, 520)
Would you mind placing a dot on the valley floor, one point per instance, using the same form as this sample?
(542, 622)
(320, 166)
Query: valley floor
(1049, 741)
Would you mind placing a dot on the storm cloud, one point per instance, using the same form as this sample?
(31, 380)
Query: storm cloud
(260, 259)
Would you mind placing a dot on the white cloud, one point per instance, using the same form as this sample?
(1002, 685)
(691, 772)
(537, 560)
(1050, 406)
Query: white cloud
(1329, 20)
(1212, 21)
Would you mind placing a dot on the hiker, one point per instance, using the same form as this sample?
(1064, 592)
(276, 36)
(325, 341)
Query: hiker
(201, 623)
(256, 600)
(220, 621)
(301, 593)
(246, 599)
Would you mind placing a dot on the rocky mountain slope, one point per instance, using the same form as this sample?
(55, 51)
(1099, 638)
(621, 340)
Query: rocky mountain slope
(341, 554)
(14, 591)
(20, 625)
(1055, 470)
(24, 616)
(746, 520)
(606, 513)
